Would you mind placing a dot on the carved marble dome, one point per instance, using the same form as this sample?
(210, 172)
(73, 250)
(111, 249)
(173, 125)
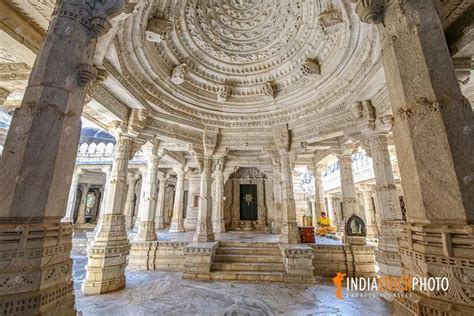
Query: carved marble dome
(240, 62)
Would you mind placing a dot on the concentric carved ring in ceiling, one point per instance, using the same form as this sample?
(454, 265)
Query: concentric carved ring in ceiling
(258, 57)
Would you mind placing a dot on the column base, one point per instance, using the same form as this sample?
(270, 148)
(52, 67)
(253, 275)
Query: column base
(218, 226)
(190, 222)
(129, 223)
(372, 232)
(204, 232)
(276, 227)
(289, 233)
(387, 256)
(142, 255)
(159, 223)
(146, 232)
(36, 272)
(177, 225)
(80, 221)
(105, 269)
(136, 226)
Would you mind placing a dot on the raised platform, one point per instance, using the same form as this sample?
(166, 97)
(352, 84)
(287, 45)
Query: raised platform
(245, 256)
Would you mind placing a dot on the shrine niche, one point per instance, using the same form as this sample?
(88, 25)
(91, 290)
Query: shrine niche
(247, 209)
(355, 226)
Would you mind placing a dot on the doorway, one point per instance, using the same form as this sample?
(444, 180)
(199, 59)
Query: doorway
(248, 202)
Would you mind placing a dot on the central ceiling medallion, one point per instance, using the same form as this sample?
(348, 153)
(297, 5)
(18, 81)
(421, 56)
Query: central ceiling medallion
(251, 57)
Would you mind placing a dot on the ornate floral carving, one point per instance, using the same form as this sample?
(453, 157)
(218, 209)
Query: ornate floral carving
(267, 90)
(223, 93)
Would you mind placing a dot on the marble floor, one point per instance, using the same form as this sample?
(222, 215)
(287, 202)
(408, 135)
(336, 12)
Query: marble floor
(165, 293)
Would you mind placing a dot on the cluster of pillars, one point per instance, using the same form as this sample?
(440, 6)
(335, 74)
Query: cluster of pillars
(108, 252)
(386, 198)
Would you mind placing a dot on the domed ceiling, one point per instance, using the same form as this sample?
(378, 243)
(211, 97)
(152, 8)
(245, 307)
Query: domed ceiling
(266, 61)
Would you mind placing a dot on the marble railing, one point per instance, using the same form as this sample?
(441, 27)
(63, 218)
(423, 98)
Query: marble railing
(101, 154)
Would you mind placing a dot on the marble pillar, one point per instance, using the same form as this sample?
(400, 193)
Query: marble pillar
(194, 180)
(369, 213)
(160, 205)
(38, 159)
(130, 199)
(349, 199)
(138, 189)
(105, 270)
(177, 221)
(169, 202)
(377, 213)
(331, 212)
(99, 198)
(103, 203)
(388, 204)
(141, 194)
(146, 228)
(337, 203)
(289, 227)
(204, 231)
(318, 193)
(218, 201)
(277, 199)
(142, 257)
(71, 203)
(81, 215)
(435, 154)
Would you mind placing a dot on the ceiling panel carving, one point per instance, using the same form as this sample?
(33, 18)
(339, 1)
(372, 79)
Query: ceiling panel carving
(227, 62)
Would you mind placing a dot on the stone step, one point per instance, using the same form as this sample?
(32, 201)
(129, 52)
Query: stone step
(247, 258)
(245, 267)
(239, 244)
(248, 251)
(248, 276)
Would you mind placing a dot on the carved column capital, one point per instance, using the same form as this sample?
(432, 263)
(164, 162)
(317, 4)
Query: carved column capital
(209, 139)
(378, 143)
